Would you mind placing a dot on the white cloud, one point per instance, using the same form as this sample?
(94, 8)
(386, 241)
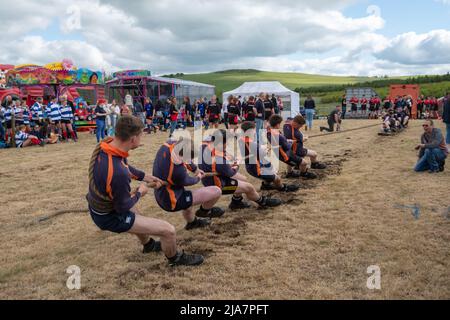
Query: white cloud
(411, 48)
(199, 35)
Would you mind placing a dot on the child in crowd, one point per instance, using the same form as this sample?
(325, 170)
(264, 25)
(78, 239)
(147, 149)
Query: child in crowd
(24, 139)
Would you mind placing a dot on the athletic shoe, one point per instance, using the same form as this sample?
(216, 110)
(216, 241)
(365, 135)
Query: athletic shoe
(293, 175)
(239, 205)
(308, 175)
(289, 188)
(267, 202)
(318, 165)
(198, 223)
(267, 187)
(213, 213)
(184, 259)
(152, 246)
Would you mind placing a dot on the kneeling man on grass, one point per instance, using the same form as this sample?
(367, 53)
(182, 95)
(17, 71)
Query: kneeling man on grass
(433, 150)
(112, 204)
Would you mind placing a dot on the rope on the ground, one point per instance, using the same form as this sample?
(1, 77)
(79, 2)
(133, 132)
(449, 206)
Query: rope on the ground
(59, 213)
(344, 131)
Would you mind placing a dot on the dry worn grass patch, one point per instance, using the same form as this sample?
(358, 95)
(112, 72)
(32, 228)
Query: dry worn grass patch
(317, 246)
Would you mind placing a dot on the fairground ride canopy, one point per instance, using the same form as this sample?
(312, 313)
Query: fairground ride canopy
(54, 73)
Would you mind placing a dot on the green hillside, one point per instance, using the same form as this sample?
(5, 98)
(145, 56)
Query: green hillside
(231, 79)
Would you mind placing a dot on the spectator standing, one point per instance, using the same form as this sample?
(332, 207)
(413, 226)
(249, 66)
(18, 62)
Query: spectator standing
(67, 120)
(138, 111)
(310, 110)
(446, 118)
(174, 111)
(114, 113)
(280, 104)
(2, 123)
(100, 119)
(344, 106)
(275, 104)
(259, 117)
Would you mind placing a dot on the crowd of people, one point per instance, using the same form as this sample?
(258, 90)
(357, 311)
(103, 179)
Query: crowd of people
(55, 122)
(170, 115)
(36, 125)
(373, 107)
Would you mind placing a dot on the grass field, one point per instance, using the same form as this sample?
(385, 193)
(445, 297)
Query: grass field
(231, 79)
(317, 246)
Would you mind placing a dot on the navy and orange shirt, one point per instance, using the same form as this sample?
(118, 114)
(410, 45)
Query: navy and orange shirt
(112, 178)
(256, 159)
(176, 176)
(296, 135)
(215, 161)
(279, 144)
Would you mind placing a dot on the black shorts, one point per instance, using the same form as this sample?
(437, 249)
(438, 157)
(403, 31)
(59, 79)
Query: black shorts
(214, 119)
(228, 185)
(8, 124)
(363, 107)
(301, 152)
(232, 119)
(114, 222)
(267, 115)
(294, 160)
(173, 199)
(354, 107)
(66, 121)
(250, 117)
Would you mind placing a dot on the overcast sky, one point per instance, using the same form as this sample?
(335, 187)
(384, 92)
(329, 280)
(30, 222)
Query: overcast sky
(339, 37)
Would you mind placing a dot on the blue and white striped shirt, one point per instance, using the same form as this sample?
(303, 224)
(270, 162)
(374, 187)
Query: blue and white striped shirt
(8, 114)
(66, 112)
(26, 116)
(47, 112)
(55, 112)
(21, 137)
(36, 111)
(18, 114)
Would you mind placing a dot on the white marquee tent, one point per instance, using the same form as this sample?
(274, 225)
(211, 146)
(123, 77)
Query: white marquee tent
(270, 87)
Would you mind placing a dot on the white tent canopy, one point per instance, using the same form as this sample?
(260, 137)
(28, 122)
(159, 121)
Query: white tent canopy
(270, 87)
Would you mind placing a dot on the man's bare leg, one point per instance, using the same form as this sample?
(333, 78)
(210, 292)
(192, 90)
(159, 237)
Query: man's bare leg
(145, 227)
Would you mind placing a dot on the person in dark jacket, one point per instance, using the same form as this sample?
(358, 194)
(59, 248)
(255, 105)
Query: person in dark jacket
(446, 118)
(334, 118)
(310, 110)
(275, 104)
(433, 150)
